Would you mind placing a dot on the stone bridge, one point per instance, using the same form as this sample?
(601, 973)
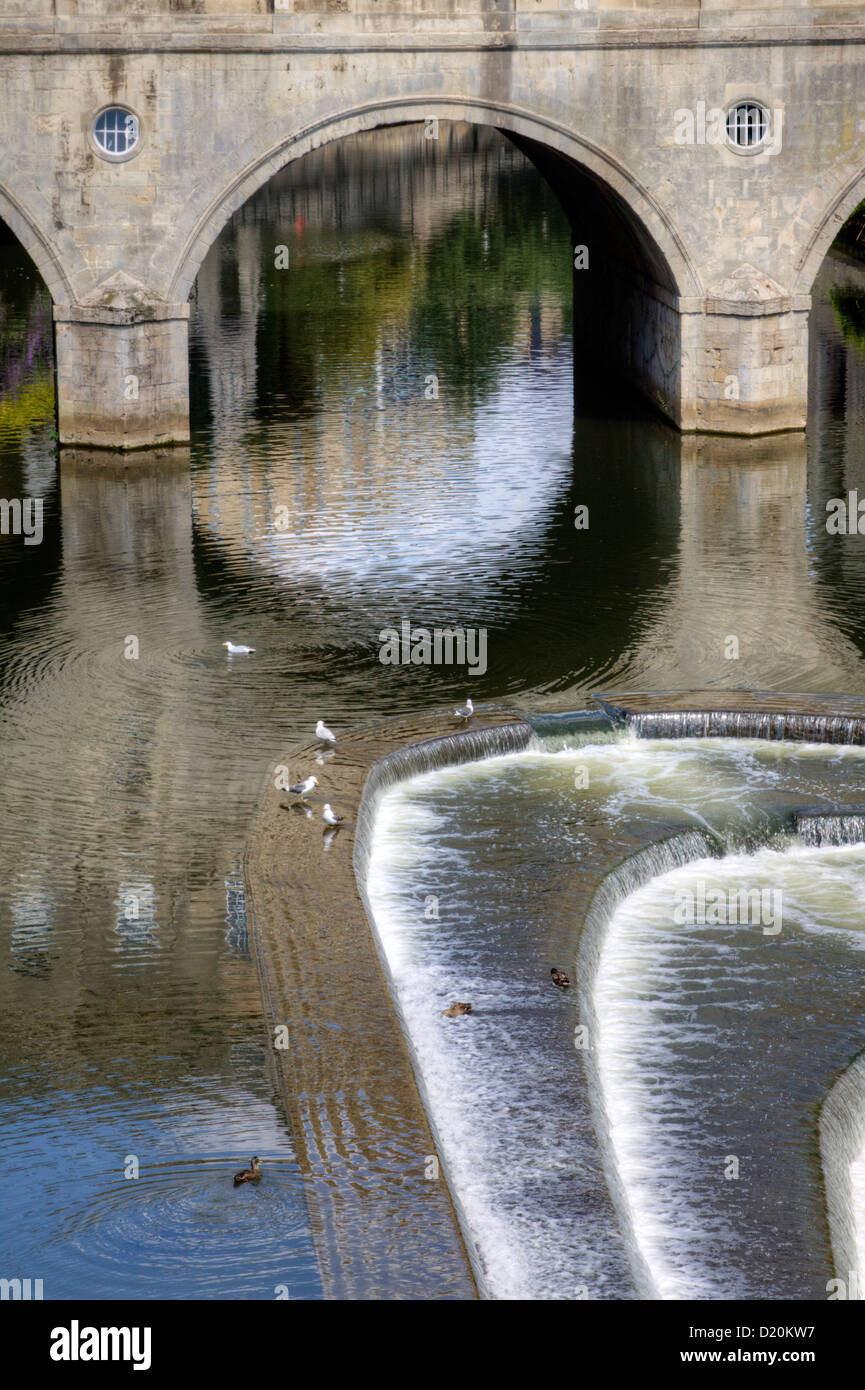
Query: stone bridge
(706, 158)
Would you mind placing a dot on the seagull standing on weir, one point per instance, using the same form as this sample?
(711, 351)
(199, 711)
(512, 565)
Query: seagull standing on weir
(302, 789)
(330, 817)
(466, 712)
(323, 733)
(237, 649)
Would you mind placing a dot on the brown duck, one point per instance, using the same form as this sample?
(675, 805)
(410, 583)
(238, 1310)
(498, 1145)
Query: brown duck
(560, 978)
(250, 1174)
(456, 1010)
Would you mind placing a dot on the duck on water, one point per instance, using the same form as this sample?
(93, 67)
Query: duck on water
(250, 1174)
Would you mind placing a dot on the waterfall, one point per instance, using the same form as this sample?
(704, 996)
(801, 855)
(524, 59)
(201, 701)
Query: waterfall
(842, 1115)
(730, 723)
(450, 750)
(819, 828)
(842, 1152)
(553, 732)
(633, 873)
(842, 1119)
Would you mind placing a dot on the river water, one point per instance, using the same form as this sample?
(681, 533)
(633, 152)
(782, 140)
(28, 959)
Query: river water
(385, 430)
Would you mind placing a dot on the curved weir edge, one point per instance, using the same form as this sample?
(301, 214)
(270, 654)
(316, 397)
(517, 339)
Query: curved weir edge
(841, 1125)
(449, 751)
(841, 1130)
(842, 1144)
(738, 714)
(630, 874)
(346, 1078)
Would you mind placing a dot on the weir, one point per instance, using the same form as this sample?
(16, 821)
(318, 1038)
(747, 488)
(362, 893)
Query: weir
(739, 714)
(628, 876)
(376, 762)
(451, 750)
(819, 828)
(842, 1152)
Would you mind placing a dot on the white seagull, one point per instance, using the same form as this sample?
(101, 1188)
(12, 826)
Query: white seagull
(235, 649)
(303, 788)
(465, 713)
(330, 817)
(323, 733)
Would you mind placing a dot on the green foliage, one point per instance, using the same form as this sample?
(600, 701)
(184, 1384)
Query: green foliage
(849, 308)
(32, 404)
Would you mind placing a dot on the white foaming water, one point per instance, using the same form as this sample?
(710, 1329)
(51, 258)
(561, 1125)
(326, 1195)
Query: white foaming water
(494, 1083)
(857, 1195)
(506, 1127)
(664, 993)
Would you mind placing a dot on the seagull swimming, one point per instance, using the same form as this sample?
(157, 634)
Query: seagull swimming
(330, 817)
(235, 649)
(303, 788)
(323, 733)
(465, 713)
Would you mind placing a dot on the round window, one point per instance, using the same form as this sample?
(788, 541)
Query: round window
(116, 132)
(747, 125)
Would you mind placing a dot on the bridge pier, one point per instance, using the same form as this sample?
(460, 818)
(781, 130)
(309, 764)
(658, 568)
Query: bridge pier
(745, 362)
(719, 364)
(122, 374)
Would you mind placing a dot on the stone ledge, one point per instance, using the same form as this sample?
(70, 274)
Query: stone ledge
(122, 317)
(349, 1090)
(395, 32)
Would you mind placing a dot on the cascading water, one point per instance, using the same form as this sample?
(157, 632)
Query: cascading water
(789, 728)
(514, 853)
(719, 1032)
(453, 750)
(842, 1149)
(626, 878)
(821, 828)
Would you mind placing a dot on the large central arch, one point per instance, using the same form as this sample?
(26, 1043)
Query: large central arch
(665, 248)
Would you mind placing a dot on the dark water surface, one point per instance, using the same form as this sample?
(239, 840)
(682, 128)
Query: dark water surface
(331, 495)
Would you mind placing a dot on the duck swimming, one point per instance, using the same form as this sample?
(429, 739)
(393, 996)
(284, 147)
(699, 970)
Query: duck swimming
(456, 1011)
(250, 1174)
(560, 978)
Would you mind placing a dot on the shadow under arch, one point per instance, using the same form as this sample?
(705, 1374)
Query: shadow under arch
(665, 250)
(43, 255)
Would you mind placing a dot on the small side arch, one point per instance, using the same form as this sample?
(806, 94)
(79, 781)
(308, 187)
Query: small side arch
(35, 243)
(653, 221)
(847, 199)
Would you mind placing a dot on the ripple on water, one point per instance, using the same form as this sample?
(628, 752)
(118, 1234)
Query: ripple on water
(180, 1229)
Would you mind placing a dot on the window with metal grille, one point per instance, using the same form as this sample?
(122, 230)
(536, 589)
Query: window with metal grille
(747, 125)
(116, 131)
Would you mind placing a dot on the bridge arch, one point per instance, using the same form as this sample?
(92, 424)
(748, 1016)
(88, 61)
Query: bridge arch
(43, 255)
(845, 201)
(648, 222)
